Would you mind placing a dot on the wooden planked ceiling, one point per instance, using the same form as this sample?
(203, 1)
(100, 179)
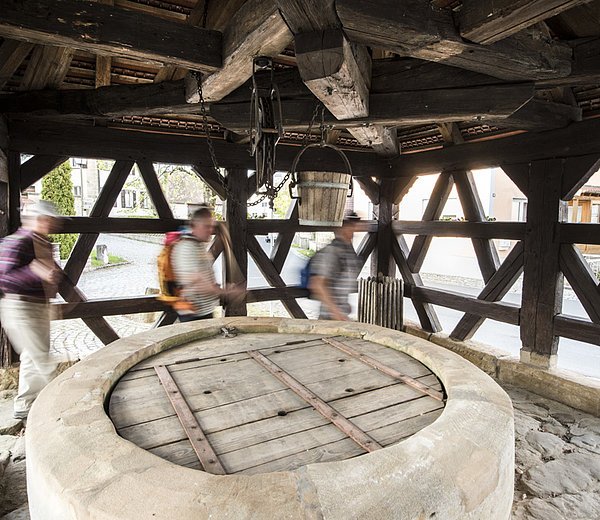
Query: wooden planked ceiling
(550, 26)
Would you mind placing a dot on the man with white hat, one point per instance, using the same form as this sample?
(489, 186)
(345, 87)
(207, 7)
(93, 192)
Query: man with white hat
(29, 277)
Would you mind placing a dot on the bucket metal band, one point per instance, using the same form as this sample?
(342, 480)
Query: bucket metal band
(325, 223)
(323, 184)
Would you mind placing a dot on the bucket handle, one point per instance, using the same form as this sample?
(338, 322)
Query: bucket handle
(296, 160)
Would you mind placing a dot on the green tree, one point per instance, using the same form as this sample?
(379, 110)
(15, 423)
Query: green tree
(57, 187)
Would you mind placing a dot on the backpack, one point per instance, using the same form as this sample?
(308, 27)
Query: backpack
(170, 292)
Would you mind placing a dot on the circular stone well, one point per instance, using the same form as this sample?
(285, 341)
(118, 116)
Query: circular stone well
(285, 419)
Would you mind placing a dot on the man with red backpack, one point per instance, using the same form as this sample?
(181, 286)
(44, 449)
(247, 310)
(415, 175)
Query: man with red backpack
(196, 292)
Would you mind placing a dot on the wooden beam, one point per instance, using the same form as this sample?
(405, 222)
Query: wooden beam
(542, 280)
(366, 247)
(284, 240)
(117, 100)
(370, 187)
(433, 211)
(426, 313)
(52, 138)
(155, 189)
(498, 286)
(519, 174)
(485, 230)
(103, 70)
(112, 307)
(538, 114)
(383, 261)
(578, 171)
(582, 279)
(105, 29)
(267, 294)
(488, 21)
(580, 233)
(485, 250)
(265, 226)
(270, 273)
(576, 328)
(102, 207)
(491, 102)
(257, 29)
(47, 67)
(36, 167)
(416, 29)
(120, 225)
(566, 143)
(12, 54)
(504, 312)
(213, 179)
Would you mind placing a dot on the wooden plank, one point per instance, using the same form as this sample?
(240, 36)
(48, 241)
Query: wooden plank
(488, 21)
(266, 226)
(426, 313)
(497, 287)
(576, 328)
(269, 271)
(37, 166)
(504, 312)
(155, 189)
(582, 279)
(382, 260)
(538, 114)
(47, 67)
(167, 318)
(542, 280)
(342, 423)
(256, 29)
(485, 230)
(12, 54)
(79, 140)
(485, 250)
(107, 30)
(366, 247)
(414, 29)
(433, 211)
(206, 455)
(384, 369)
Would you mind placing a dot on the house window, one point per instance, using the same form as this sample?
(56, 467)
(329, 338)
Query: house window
(77, 191)
(128, 198)
(520, 210)
(77, 162)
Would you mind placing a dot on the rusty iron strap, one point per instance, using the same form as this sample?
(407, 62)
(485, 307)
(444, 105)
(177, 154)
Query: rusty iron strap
(342, 423)
(368, 360)
(206, 455)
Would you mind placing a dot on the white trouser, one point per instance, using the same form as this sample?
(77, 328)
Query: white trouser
(27, 326)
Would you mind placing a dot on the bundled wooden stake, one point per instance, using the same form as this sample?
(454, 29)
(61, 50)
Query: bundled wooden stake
(380, 301)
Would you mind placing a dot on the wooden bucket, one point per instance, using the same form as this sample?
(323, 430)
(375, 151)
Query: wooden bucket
(321, 195)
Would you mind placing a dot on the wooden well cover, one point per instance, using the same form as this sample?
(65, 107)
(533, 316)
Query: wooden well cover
(262, 402)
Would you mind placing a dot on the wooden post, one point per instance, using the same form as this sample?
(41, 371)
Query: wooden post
(237, 220)
(383, 261)
(7, 355)
(542, 280)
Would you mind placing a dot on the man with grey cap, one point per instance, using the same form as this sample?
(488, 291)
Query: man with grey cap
(29, 277)
(334, 270)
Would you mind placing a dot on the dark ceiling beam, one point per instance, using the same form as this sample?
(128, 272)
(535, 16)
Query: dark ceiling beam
(103, 29)
(47, 67)
(417, 29)
(12, 54)
(59, 138)
(336, 71)
(578, 139)
(257, 29)
(484, 103)
(488, 21)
